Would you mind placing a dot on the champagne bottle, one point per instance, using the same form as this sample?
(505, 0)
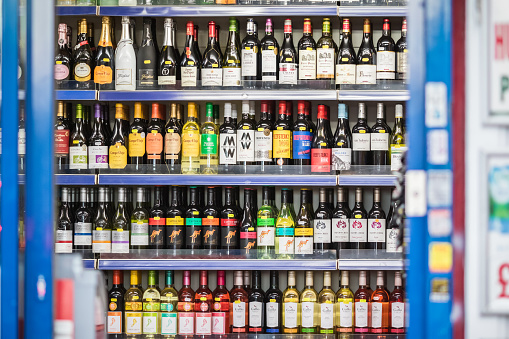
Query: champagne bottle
(147, 62)
(288, 66)
(191, 142)
(83, 60)
(125, 60)
(105, 60)
(231, 60)
(346, 68)
(366, 58)
(63, 60)
(169, 60)
(190, 60)
(307, 53)
(212, 64)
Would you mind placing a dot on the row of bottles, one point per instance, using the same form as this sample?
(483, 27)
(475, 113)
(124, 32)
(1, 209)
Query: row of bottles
(247, 308)
(251, 63)
(210, 147)
(257, 231)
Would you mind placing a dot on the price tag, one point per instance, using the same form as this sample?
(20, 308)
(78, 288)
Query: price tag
(146, 62)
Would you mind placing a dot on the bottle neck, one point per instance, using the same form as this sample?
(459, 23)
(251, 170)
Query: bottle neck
(105, 40)
(168, 36)
(229, 197)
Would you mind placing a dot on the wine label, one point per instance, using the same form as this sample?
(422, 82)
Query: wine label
(228, 152)
(402, 65)
(322, 231)
(358, 230)
(133, 322)
(396, 156)
(346, 74)
(255, 314)
(307, 65)
(120, 241)
(139, 234)
(231, 77)
(175, 233)
(361, 314)
(229, 233)
(189, 76)
(265, 235)
(146, 77)
(172, 146)
(386, 65)
(219, 322)
(209, 144)
(290, 316)
(82, 234)
(263, 145)
(379, 141)
(169, 323)
(269, 63)
(376, 315)
(118, 156)
(211, 232)
(78, 157)
(326, 317)
(97, 157)
(341, 159)
(101, 241)
(303, 245)
(204, 323)
(285, 245)
(211, 77)
(320, 160)
(63, 242)
(366, 75)
(376, 230)
(340, 230)
(154, 145)
(272, 309)
(150, 322)
(114, 322)
(157, 231)
(22, 141)
(361, 141)
(186, 323)
(193, 232)
(62, 141)
(288, 73)
(103, 74)
(397, 315)
(345, 314)
(82, 72)
(249, 62)
(166, 80)
(190, 144)
(239, 313)
(282, 144)
(392, 241)
(124, 77)
(308, 314)
(136, 144)
(245, 145)
(60, 72)
(302, 144)
(325, 63)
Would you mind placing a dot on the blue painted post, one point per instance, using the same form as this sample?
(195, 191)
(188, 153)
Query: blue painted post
(39, 174)
(9, 167)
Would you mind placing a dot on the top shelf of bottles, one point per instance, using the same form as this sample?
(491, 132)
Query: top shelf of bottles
(306, 9)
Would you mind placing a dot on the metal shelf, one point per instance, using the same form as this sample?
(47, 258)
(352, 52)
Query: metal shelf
(373, 95)
(76, 95)
(89, 263)
(75, 179)
(366, 180)
(76, 10)
(359, 265)
(372, 11)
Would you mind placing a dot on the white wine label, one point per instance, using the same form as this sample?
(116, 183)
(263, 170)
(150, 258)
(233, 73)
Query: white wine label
(288, 74)
(345, 314)
(167, 80)
(212, 77)
(391, 244)
(308, 314)
(63, 243)
(326, 316)
(263, 145)
(325, 63)
(361, 141)
(139, 234)
(340, 230)
(249, 63)
(133, 322)
(386, 65)
(307, 65)
(169, 323)
(265, 236)
(82, 70)
(101, 241)
(376, 230)
(150, 323)
(204, 323)
(245, 145)
(78, 156)
(346, 74)
(189, 76)
(239, 314)
(379, 141)
(255, 314)
(303, 245)
(97, 157)
(366, 75)
(361, 314)
(402, 65)
(397, 315)
(266, 78)
(231, 77)
(272, 314)
(322, 231)
(22, 139)
(82, 234)
(124, 77)
(228, 152)
(119, 241)
(358, 230)
(186, 323)
(290, 315)
(269, 62)
(396, 156)
(285, 245)
(341, 159)
(376, 315)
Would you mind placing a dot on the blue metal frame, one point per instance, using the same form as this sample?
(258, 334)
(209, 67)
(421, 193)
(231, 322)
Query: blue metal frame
(76, 10)
(39, 174)
(10, 195)
(76, 95)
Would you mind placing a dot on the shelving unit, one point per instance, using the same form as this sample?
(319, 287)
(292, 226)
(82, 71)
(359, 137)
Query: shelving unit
(81, 95)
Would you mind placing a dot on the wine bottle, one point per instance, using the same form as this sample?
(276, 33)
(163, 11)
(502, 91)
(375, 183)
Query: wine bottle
(203, 306)
(380, 306)
(105, 60)
(265, 226)
(61, 137)
(308, 300)
(83, 217)
(285, 226)
(228, 140)
(397, 306)
(327, 300)
(342, 145)
(248, 223)
(344, 300)
(172, 141)
(273, 305)
(195, 41)
(169, 304)
(247, 282)
(322, 143)
(307, 53)
(361, 139)
(125, 60)
(303, 129)
(137, 139)
(229, 222)
(175, 232)
(63, 60)
(90, 30)
(402, 54)
(282, 137)
(116, 306)
(101, 234)
(376, 223)
(304, 225)
(83, 60)
(117, 151)
(97, 144)
(212, 64)
(234, 115)
(193, 221)
(288, 66)
(120, 229)
(169, 59)
(239, 299)
(221, 314)
(209, 134)
(78, 152)
(210, 221)
(64, 231)
(147, 62)
(151, 306)
(191, 142)
(139, 222)
(397, 140)
(322, 224)
(157, 220)
(185, 306)
(231, 60)
(341, 221)
(380, 133)
(69, 39)
(366, 58)
(346, 68)
(263, 138)
(358, 223)
(386, 54)
(155, 137)
(325, 53)
(190, 60)
(270, 60)
(256, 304)
(290, 306)
(245, 138)
(133, 301)
(362, 299)
(251, 56)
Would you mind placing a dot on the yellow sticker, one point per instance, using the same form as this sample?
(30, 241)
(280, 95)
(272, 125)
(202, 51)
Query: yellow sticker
(250, 229)
(362, 131)
(328, 302)
(381, 131)
(405, 50)
(215, 65)
(59, 62)
(309, 48)
(170, 130)
(245, 127)
(157, 218)
(139, 222)
(134, 130)
(279, 128)
(153, 131)
(302, 128)
(236, 302)
(323, 144)
(272, 300)
(203, 299)
(344, 59)
(99, 229)
(149, 299)
(167, 62)
(210, 217)
(146, 62)
(230, 215)
(218, 299)
(306, 299)
(247, 48)
(288, 59)
(271, 47)
(325, 46)
(365, 59)
(340, 143)
(231, 61)
(196, 212)
(260, 129)
(190, 63)
(440, 257)
(358, 216)
(75, 141)
(136, 297)
(120, 230)
(263, 217)
(363, 300)
(113, 299)
(106, 59)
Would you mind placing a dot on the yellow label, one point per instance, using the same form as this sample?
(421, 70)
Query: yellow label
(215, 65)
(250, 229)
(146, 62)
(282, 144)
(263, 217)
(139, 222)
(260, 129)
(271, 47)
(157, 218)
(236, 302)
(203, 299)
(358, 216)
(190, 63)
(149, 299)
(340, 143)
(103, 74)
(440, 257)
(381, 131)
(170, 130)
(98, 228)
(231, 61)
(306, 299)
(288, 59)
(191, 144)
(362, 131)
(154, 131)
(217, 299)
(167, 62)
(75, 142)
(323, 144)
(247, 48)
(363, 300)
(114, 299)
(196, 212)
(106, 59)
(325, 46)
(365, 59)
(309, 48)
(59, 62)
(328, 302)
(279, 128)
(175, 221)
(210, 217)
(136, 144)
(245, 127)
(302, 128)
(135, 297)
(308, 231)
(118, 156)
(272, 300)
(344, 59)
(120, 230)
(230, 215)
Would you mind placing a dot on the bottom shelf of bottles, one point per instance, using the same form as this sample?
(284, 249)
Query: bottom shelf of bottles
(337, 335)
